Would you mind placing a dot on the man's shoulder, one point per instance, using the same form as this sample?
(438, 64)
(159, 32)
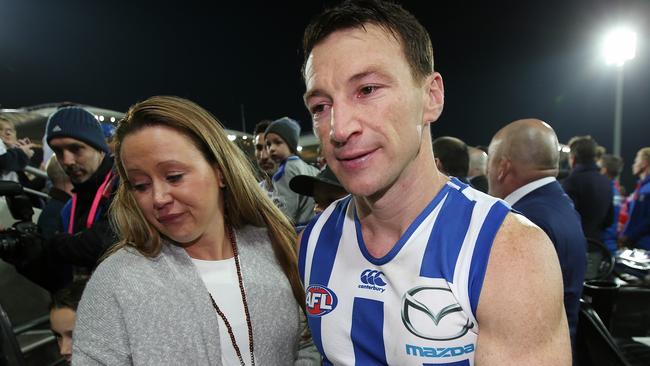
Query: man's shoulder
(517, 231)
(544, 198)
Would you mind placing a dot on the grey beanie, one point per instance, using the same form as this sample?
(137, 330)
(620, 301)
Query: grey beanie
(76, 123)
(288, 129)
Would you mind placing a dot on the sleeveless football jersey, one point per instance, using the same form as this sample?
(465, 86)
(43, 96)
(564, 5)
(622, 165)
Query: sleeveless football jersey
(414, 306)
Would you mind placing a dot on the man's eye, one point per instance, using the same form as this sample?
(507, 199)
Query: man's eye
(367, 90)
(317, 108)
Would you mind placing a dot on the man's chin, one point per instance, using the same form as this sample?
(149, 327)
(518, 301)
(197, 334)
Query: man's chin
(78, 179)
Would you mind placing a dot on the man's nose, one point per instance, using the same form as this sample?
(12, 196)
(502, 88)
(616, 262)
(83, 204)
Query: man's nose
(66, 158)
(343, 123)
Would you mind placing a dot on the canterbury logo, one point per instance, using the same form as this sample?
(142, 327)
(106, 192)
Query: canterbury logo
(372, 280)
(372, 277)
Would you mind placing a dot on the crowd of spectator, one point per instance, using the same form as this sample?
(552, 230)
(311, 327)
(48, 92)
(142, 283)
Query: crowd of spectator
(140, 210)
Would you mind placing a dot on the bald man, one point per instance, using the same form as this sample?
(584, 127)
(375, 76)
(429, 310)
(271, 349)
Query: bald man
(522, 166)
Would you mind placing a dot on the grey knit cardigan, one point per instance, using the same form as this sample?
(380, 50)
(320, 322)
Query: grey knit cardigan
(156, 311)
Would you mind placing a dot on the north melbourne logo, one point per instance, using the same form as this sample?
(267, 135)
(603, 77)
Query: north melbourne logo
(372, 280)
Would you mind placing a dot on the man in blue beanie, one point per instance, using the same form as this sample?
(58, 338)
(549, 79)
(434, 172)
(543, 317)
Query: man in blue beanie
(77, 139)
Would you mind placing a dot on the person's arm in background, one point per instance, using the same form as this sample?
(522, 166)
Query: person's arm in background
(48, 263)
(14, 159)
(639, 222)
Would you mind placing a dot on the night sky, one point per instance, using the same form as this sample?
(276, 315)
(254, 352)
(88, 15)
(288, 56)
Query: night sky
(500, 60)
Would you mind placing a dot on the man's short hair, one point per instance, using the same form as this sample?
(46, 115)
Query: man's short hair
(261, 126)
(613, 165)
(453, 155)
(68, 297)
(584, 149)
(645, 153)
(350, 14)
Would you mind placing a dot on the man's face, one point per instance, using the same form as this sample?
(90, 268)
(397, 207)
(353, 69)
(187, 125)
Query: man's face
(368, 111)
(262, 155)
(78, 159)
(62, 323)
(640, 164)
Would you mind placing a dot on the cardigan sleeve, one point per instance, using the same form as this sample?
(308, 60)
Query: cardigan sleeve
(307, 354)
(100, 336)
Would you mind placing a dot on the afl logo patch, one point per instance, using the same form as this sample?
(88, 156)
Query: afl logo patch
(320, 300)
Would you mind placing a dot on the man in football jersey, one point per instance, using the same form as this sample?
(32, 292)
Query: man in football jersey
(393, 274)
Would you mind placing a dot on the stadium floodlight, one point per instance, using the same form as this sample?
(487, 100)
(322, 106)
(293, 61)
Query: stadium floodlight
(619, 46)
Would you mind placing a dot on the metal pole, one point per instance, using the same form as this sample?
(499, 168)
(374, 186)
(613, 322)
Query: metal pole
(243, 118)
(618, 112)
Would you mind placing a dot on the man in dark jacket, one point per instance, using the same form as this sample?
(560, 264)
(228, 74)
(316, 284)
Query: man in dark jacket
(76, 138)
(590, 191)
(523, 164)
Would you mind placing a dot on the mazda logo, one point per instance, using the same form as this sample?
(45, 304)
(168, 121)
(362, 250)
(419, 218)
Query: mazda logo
(411, 304)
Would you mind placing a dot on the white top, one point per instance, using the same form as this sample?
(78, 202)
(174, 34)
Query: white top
(520, 192)
(220, 278)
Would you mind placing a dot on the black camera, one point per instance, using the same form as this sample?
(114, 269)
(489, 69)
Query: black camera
(20, 207)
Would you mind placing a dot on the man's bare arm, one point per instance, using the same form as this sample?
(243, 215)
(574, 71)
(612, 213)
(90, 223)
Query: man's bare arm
(521, 310)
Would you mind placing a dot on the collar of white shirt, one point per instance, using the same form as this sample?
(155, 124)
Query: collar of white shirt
(520, 192)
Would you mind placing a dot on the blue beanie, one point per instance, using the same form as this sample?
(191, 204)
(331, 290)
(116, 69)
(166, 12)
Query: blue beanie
(288, 130)
(78, 124)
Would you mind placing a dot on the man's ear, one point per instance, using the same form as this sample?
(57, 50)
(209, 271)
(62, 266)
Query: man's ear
(434, 97)
(441, 169)
(504, 169)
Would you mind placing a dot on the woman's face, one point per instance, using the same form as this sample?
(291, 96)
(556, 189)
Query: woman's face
(178, 191)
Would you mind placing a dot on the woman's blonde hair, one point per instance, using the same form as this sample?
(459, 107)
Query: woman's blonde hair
(245, 202)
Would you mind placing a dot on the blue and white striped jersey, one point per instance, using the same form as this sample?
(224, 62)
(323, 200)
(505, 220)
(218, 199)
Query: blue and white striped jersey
(414, 306)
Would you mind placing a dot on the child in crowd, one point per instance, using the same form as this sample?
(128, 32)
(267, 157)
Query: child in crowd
(282, 144)
(63, 312)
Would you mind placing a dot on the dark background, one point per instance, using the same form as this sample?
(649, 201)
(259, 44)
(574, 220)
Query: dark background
(500, 60)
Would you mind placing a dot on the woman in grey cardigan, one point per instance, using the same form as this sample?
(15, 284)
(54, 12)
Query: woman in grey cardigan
(205, 272)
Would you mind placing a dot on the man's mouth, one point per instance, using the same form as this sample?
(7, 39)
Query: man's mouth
(355, 159)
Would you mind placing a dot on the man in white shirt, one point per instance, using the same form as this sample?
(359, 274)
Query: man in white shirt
(522, 166)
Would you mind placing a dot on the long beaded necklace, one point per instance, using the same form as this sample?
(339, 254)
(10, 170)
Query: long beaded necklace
(233, 243)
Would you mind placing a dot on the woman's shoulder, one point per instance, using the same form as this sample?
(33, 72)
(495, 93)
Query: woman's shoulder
(253, 235)
(120, 266)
